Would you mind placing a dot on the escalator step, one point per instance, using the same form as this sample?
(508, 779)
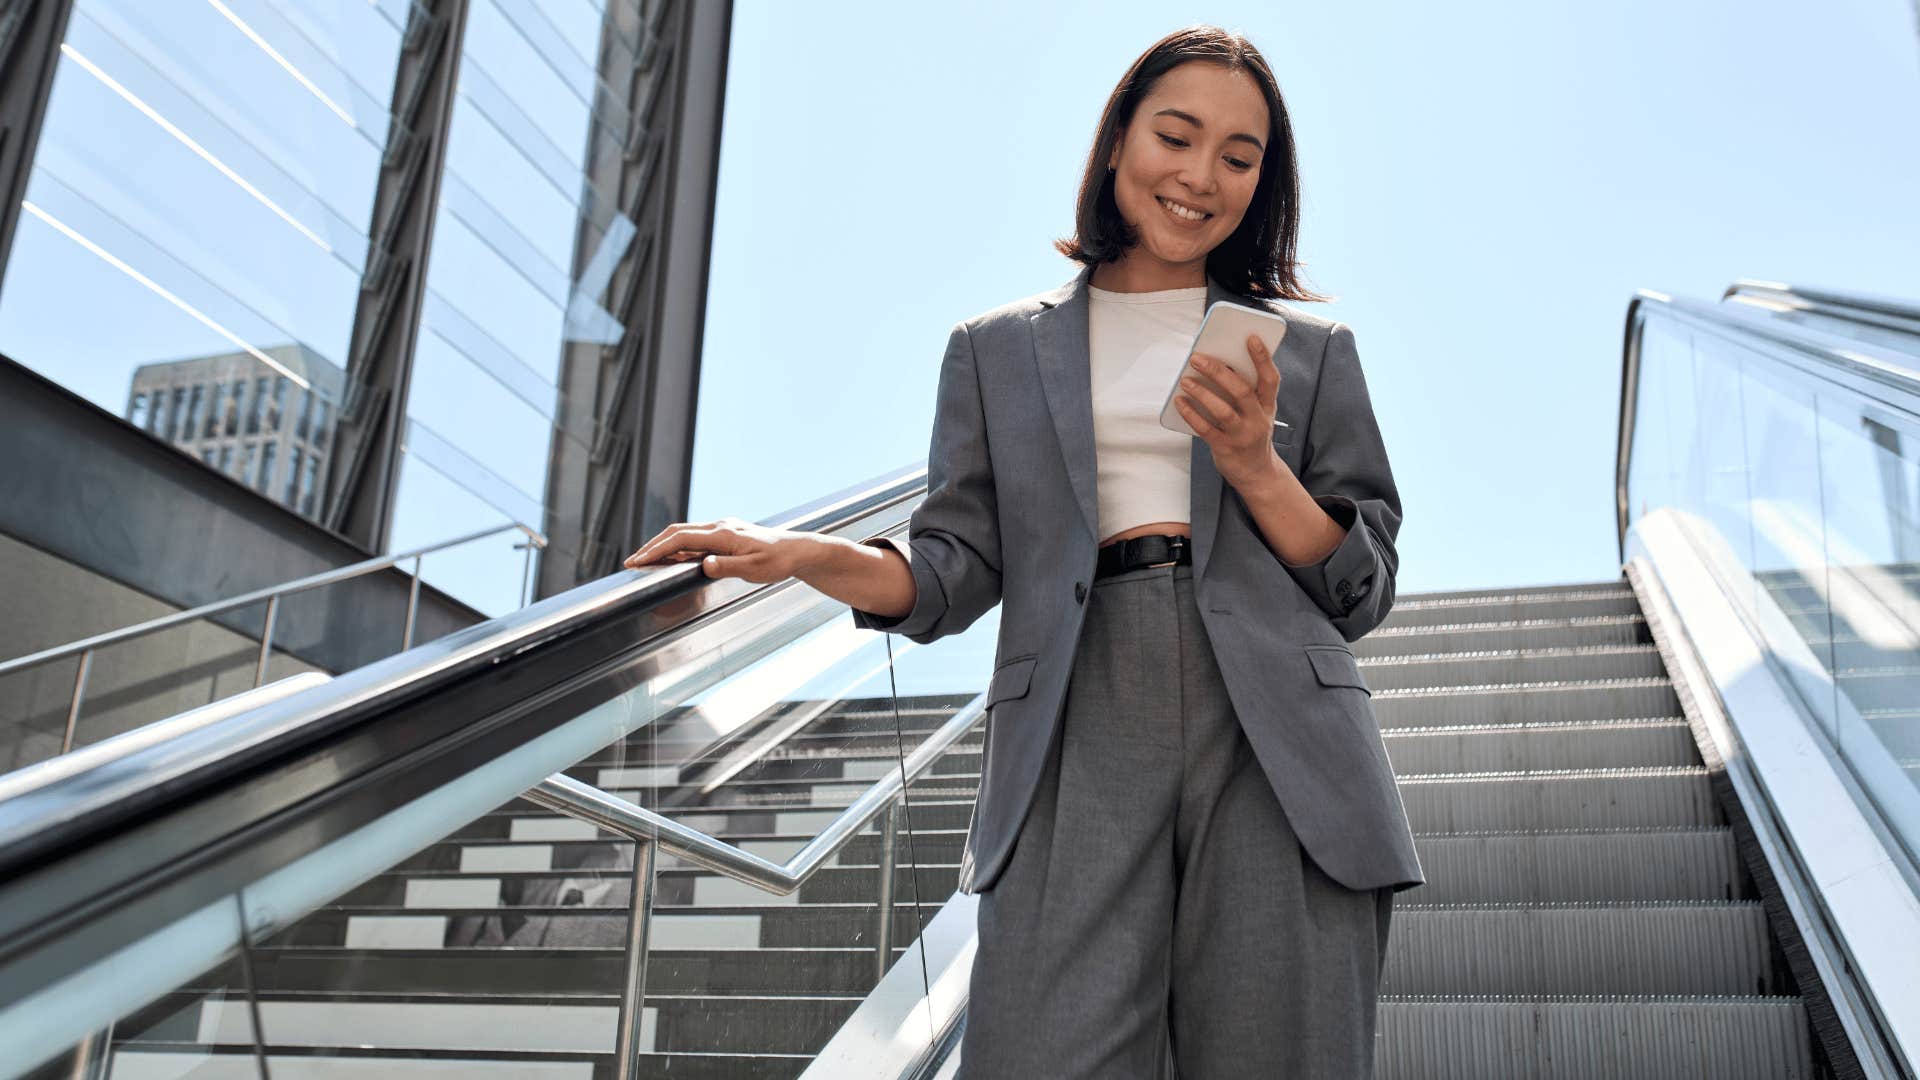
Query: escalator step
(1566, 799)
(1530, 664)
(1424, 610)
(1503, 634)
(1582, 744)
(1670, 947)
(1595, 699)
(1572, 1039)
(1555, 867)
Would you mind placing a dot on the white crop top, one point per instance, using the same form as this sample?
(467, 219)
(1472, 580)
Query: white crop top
(1138, 341)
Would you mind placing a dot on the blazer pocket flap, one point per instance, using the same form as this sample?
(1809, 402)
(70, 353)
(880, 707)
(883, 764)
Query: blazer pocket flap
(1335, 666)
(1010, 680)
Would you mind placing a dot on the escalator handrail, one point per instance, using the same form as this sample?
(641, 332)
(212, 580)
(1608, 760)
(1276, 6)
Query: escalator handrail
(1842, 303)
(1896, 373)
(54, 811)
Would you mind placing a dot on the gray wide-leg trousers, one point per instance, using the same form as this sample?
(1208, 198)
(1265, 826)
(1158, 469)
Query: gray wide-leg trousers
(1158, 917)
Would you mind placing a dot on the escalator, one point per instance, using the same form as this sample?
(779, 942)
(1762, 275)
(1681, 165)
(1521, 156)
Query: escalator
(679, 827)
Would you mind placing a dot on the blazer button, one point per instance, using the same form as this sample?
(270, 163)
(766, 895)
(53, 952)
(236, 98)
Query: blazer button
(1344, 587)
(1080, 592)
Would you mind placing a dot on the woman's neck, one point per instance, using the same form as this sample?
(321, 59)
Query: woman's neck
(1125, 276)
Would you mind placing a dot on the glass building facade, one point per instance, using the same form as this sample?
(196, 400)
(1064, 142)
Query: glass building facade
(200, 248)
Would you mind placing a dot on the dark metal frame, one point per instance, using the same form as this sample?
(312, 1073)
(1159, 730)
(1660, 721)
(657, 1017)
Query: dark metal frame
(641, 394)
(386, 322)
(30, 35)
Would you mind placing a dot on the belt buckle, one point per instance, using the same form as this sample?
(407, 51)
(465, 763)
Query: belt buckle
(1175, 546)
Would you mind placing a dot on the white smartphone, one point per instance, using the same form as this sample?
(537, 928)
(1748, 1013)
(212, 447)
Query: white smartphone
(1223, 336)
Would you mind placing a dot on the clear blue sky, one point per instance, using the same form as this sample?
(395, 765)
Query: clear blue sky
(1485, 185)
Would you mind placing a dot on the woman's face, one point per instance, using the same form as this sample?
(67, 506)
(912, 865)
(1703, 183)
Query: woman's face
(1196, 140)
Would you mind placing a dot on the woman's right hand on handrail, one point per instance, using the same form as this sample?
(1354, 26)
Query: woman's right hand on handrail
(861, 576)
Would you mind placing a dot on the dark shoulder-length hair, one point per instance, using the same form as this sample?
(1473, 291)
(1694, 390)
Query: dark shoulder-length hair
(1257, 260)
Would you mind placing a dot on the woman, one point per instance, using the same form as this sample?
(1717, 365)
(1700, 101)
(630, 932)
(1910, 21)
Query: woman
(1164, 877)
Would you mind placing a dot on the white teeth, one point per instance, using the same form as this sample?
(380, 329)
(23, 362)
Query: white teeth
(1182, 211)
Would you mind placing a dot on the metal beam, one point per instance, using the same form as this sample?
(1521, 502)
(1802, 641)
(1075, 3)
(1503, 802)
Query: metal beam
(30, 35)
(637, 395)
(124, 505)
(393, 287)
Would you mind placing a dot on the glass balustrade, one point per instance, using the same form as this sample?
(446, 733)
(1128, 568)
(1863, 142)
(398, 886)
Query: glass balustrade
(1795, 471)
(470, 928)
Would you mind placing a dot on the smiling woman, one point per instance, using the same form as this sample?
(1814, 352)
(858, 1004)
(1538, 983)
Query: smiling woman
(1159, 874)
(1196, 126)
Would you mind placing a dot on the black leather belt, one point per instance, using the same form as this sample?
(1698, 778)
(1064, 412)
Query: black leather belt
(1157, 549)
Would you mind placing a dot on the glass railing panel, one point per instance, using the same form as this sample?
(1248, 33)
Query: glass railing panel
(172, 1003)
(1789, 570)
(130, 684)
(1803, 493)
(339, 626)
(494, 933)
(765, 759)
(933, 682)
(1870, 488)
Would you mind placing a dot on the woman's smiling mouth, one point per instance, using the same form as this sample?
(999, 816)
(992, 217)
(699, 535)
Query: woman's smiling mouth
(1181, 213)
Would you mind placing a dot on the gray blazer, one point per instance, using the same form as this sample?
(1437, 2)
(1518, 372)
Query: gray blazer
(1010, 513)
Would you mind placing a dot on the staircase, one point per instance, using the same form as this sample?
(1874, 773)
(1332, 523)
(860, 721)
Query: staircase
(498, 952)
(1586, 912)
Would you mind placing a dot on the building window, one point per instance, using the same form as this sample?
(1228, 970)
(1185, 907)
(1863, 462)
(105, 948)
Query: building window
(245, 475)
(234, 401)
(226, 459)
(308, 478)
(206, 455)
(265, 483)
(292, 495)
(137, 411)
(216, 408)
(323, 424)
(196, 408)
(259, 405)
(301, 414)
(279, 404)
(176, 413)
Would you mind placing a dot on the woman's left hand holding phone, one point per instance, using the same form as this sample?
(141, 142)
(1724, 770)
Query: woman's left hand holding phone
(1238, 428)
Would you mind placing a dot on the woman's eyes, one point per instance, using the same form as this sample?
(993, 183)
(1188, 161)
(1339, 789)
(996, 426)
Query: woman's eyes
(1172, 141)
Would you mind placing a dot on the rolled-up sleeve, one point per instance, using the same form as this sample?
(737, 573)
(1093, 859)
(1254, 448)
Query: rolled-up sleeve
(1347, 473)
(952, 544)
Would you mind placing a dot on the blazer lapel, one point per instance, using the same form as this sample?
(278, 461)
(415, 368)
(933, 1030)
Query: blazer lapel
(1062, 349)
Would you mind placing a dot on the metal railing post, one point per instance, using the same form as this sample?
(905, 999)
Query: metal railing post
(883, 932)
(73, 708)
(413, 606)
(526, 568)
(266, 641)
(89, 1059)
(633, 996)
